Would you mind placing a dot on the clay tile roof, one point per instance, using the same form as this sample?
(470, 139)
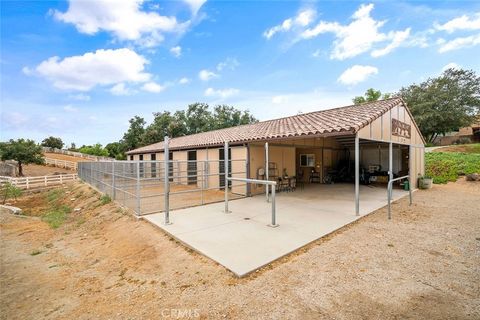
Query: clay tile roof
(325, 122)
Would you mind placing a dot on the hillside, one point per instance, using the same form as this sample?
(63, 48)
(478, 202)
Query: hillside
(65, 157)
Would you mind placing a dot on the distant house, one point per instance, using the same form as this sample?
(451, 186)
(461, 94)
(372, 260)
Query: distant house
(472, 133)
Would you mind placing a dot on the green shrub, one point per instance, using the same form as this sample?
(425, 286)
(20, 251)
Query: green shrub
(8, 190)
(35, 252)
(105, 199)
(448, 166)
(56, 216)
(55, 195)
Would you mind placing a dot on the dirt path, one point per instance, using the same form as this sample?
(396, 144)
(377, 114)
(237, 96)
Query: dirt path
(425, 263)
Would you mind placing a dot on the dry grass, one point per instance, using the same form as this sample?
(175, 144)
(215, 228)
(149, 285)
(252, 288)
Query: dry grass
(464, 148)
(102, 263)
(36, 170)
(59, 156)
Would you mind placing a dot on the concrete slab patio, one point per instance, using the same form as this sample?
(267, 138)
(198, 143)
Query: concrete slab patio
(242, 242)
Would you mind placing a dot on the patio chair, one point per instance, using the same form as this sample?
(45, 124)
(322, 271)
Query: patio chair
(282, 184)
(293, 184)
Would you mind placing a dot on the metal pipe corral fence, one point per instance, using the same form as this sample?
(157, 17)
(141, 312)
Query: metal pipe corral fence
(389, 192)
(266, 183)
(159, 186)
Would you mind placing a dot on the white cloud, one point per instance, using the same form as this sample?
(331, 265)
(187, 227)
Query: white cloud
(458, 43)
(229, 63)
(398, 37)
(102, 67)
(451, 65)
(184, 80)
(359, 36)
(460, 23)
(124, 19)
(176, 51)
(357, 74)
(195, 5)
(79, 97)
(303, 19)
(13, 120)
(206, 75)
(221, 93)
(27, 71)
(70, 108)
(279, 99)
(120, 90)
(153, 87)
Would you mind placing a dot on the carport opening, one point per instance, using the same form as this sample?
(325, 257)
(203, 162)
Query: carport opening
(336, 163)
(375, 162)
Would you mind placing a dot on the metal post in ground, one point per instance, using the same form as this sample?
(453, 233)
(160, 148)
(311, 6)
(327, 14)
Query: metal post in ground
(138, 188)
(225, 159)
(124, 182)
(166, 180)
(410, 148)
(274, 220)
(389, 199)
(113, 180)
(204, 177)
(266, 170)
(390, 163)
(357, 175)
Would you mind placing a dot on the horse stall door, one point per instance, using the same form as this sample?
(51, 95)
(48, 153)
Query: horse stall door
(192, 167)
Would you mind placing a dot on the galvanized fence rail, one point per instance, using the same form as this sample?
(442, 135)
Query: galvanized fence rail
(390, 191)
(148, 187)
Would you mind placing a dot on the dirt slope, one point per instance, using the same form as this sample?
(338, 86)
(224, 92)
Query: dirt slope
(104, 264)
(466, 148)
(59, 156)
(36, 170)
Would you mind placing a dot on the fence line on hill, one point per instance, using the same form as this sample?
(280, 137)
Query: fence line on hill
(61, 163)
(77, 154)
(39, 182)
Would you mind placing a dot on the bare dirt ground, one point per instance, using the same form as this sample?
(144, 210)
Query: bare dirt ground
(102, 263)
(36, 170)
(466, 148)
(60, 156)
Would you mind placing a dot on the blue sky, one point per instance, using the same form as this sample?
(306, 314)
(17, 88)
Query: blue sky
(81, 69)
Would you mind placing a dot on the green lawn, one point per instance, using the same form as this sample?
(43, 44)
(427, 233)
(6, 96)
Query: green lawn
(448, 166)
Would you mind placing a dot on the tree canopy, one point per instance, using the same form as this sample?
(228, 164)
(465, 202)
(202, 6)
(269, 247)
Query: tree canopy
(116, 150)
(370, 95)
(133, 137)
(53, 142)
(23, 151)
(95, 150)
(445, 103)
(195, 119)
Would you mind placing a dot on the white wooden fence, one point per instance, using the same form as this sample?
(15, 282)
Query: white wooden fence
(61, 163)
(39, 182)
(77, 154)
